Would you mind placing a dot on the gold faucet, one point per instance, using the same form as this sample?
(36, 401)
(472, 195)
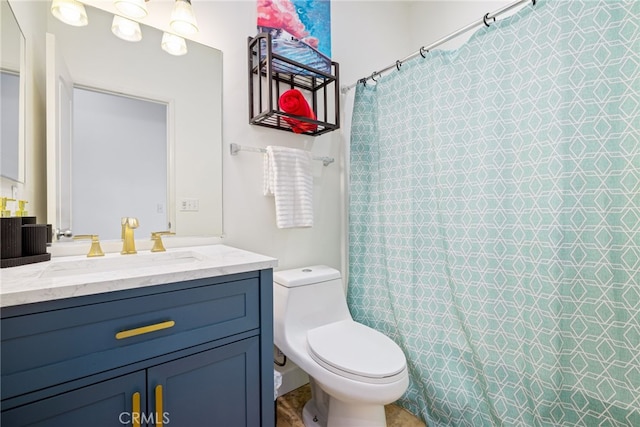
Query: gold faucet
(95, 249)
(4, 212)
(21, 211)
(156, 238)
(128, 241)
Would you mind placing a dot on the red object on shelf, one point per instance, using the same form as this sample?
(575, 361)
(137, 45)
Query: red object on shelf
(293, 102)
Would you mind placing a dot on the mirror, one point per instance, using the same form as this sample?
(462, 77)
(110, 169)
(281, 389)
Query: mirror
(177, 186)
(110, 129)
(12, 94)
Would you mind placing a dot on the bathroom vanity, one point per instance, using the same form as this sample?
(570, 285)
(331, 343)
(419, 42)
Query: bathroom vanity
(179, 338)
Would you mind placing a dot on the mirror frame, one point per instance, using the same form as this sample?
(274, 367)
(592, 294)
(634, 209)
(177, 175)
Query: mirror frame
(21, 64)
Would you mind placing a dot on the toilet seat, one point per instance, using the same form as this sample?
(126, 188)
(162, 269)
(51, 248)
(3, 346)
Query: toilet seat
(355, 351)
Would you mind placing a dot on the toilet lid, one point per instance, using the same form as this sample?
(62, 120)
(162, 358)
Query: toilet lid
(356, 351)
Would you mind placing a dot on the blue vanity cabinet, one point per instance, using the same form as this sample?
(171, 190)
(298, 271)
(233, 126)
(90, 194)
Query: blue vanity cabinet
(194, 353)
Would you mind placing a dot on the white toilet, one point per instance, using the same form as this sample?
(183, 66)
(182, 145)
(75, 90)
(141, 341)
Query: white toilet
(354, 370)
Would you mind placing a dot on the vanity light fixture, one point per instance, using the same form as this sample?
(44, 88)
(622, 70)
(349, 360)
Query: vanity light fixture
(175, 45)
(126, 29)
(70, 12)
(132, 8)
(183, 21)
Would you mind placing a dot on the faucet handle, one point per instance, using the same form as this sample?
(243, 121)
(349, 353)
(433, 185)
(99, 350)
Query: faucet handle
(130, 221)
(156, 237)
(95, 249)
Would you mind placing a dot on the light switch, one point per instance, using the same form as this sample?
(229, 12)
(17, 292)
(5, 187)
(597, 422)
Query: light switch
(190, 205)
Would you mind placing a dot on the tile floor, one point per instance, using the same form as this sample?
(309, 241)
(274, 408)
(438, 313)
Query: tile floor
(289, 411)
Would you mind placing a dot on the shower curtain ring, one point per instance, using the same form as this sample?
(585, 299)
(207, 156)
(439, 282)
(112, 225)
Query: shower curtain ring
(534, 2)
(422, 49)
(398, 64)
(486, 17)
(373, 76)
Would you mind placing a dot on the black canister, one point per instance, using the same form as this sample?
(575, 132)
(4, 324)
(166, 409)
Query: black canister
(10, 237)
(28, 220)
(34, 239)
(49, 234)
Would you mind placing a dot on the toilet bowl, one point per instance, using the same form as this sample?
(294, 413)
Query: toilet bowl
(354, 370)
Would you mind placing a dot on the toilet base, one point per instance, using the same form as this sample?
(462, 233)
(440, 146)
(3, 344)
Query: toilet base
(343, 414)
(311, 417)
(314, 413)
(324, 410)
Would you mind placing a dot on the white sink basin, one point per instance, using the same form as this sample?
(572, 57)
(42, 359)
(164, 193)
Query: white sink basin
(119, 262)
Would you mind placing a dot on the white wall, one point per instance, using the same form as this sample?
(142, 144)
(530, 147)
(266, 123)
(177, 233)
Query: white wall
(432, 20)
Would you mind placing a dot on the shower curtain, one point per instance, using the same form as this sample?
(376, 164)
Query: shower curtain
(494, 220)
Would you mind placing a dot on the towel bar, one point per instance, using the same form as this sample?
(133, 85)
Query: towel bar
(235, 148)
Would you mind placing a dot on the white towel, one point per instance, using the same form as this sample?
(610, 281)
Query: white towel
(288, 177)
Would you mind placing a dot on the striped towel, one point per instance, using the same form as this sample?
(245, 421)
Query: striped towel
(288, 177)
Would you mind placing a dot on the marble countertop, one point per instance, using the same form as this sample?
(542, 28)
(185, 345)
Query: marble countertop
(72, 276)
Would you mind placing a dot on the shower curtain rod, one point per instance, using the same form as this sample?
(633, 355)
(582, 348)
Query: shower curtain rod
(425, 49)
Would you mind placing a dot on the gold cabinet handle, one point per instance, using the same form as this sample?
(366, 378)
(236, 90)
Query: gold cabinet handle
(145, 329)
(135, 412)
(159, 408)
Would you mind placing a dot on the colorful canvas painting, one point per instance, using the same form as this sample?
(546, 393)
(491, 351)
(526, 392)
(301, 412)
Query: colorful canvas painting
(300, 30)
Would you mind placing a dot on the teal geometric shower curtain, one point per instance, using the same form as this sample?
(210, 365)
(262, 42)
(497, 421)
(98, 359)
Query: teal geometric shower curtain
(494, 220)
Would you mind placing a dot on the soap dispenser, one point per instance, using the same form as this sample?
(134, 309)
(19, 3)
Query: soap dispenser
(10, 232)
(21, 208)
(4, 212)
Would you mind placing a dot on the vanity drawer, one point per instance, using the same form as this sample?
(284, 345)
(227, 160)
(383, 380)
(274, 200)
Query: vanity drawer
(48, 348)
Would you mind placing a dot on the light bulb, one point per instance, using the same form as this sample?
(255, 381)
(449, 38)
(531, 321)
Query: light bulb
(175, 45)
(70, 12)
(126, 29)
(183, 20)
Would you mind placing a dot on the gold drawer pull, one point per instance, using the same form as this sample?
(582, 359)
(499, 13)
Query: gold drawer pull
(135, 412)
(159, 407)
(145, 329)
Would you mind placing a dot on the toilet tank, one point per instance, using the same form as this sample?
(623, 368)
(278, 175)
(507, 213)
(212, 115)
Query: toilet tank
(308, 297)
(306, 276)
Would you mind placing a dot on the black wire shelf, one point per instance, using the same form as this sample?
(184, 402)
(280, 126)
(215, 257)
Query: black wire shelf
(271, 74)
